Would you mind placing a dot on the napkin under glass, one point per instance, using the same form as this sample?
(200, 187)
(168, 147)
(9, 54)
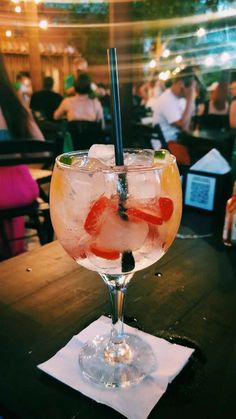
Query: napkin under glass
(135, 402)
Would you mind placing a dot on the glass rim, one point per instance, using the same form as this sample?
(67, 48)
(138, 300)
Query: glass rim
(116, 169)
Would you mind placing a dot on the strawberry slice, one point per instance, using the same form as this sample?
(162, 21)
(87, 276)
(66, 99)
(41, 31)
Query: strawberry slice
(104, 253)
(92, 224)
(166, 208)
(144, 215)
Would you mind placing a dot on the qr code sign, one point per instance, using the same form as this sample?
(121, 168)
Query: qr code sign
(200, 191)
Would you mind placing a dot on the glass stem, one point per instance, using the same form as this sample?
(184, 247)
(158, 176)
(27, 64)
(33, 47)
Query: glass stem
(117, 350)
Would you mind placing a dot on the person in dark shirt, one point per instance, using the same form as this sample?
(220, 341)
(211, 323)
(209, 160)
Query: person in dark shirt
(45, 101)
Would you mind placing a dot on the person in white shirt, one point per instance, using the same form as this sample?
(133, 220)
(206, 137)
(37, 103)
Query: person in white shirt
(82, 106)
(173, 109)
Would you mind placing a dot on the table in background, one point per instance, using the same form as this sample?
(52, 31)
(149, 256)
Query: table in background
(46, 298)
(201, 141)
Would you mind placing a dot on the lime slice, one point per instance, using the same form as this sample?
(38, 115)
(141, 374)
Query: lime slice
(66, 159)
(161, 154)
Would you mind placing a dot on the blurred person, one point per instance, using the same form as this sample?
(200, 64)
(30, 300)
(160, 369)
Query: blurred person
(136, 98)
(103, 95)
(24, 86)
(151, 90)
(232, 106)
(16, 184)
(46, 101)
(143, 93)
(79, 66)
(156, 87)
(173, 111)
(214, 112)
(218, 102)
(84, 106)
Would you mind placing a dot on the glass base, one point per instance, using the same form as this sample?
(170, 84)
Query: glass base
(107, 370)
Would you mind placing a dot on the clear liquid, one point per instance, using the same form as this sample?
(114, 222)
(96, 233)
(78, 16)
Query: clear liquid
(74, 192)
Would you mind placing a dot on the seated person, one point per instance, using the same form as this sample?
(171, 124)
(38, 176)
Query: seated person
(45, 101)
(17, 186)
(83, 106)
(232, 106)
(23, 86)
(214, 112)
(173, 111)
(84, 114)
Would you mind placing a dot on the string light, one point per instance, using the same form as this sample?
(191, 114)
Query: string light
(176, 70)
(164, 75)
(43, 24)
(8, 33)
(209, 61)
(18, 9)
(166, 53)
(178, 59)
(152, 64)
(224, 57)
(201, 32)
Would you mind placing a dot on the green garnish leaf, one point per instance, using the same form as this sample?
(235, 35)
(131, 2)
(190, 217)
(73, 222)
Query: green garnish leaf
(66, 159)
(160, 154)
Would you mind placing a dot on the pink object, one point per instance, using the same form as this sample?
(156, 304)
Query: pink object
(17, 188)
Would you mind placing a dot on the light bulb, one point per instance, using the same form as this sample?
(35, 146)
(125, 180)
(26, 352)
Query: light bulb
(43, 24)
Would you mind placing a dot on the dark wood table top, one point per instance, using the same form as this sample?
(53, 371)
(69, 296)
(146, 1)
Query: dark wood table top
(201, 141)
(210, 133)
(46, 298)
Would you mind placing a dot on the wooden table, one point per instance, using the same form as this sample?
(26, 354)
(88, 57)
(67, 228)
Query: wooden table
(45, 298)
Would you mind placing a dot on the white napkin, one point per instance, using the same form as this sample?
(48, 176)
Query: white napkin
(212, 162)
(135, 402)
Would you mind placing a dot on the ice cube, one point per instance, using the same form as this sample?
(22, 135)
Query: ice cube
(142, 158)
(84, 188)
(121, 235)
(90, 163)
(143, 184)
(103, 152)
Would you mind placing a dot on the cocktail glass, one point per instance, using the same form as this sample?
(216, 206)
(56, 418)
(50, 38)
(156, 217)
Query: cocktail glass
(116, 221)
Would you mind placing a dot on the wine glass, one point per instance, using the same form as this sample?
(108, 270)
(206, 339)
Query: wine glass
(115, 221)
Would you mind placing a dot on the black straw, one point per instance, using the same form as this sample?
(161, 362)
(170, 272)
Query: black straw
(115, 107)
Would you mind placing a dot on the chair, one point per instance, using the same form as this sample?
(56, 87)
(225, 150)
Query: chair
(18, 152)
(147, 136)
(85, 133)
(178, 150)
(52, 130)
